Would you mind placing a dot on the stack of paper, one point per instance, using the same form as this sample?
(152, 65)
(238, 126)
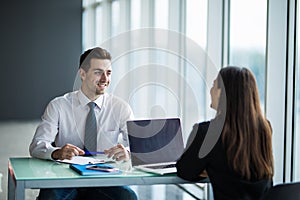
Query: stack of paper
(82, 160)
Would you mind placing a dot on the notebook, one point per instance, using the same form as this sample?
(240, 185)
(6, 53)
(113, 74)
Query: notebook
(155, 144)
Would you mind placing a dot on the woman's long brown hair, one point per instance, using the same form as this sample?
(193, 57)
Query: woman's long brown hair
(246, 135)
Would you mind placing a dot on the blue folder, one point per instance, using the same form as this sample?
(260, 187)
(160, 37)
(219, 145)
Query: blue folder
(85, 171)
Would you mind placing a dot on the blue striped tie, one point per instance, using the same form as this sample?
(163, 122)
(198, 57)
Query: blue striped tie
(90, 138)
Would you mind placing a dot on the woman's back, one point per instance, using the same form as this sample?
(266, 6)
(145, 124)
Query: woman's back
(226, 183)
(240, 163)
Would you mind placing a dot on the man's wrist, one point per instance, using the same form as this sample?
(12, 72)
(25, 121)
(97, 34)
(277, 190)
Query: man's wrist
(54, 155)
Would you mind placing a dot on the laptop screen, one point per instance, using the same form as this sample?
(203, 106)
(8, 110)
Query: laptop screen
(155, 140)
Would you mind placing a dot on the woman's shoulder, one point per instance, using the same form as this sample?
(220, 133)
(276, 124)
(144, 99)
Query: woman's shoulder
(198, 130)
(205, 123)
(202, 126)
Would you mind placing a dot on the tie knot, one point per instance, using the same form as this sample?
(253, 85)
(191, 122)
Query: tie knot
(92, 105)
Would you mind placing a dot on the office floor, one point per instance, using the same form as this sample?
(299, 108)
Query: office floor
(15, 138)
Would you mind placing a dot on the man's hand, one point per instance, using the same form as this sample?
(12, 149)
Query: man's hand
(118, 153)
(67, 152)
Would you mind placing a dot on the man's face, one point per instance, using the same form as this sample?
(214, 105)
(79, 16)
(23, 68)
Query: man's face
(97, 78)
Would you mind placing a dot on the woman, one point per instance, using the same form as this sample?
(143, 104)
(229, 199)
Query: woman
(239, 162)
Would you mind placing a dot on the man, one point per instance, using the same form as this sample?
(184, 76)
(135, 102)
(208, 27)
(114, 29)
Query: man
(62, 132)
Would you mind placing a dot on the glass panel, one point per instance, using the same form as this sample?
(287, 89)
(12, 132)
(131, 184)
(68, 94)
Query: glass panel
(248, 38)
(115, 18)
(86, 3)
(196, 29)
(161, 13)
(196, 21)
(88, 26)
(99, 25)
(135, 14)
(297, 105)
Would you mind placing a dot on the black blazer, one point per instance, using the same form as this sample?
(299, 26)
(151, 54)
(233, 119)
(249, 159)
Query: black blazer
(225, 182)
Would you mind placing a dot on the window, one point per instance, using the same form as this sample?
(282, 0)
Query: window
(161, 13)
(88, 24)
(234, 32)
(196, 29)
(115, 18)
(297, 103)
(196, 21)
(247, 38)
(99, 37)
(135, 14)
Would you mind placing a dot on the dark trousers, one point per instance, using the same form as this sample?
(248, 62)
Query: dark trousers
(103, 193)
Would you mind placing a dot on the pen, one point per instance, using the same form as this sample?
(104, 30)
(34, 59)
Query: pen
(102, 168)
(93, 152)
(98, 167)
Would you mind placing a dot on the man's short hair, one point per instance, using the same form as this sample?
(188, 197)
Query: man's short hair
(97, 52)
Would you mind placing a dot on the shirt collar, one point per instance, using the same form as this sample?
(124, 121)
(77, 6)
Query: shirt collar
(84, 100)
(99, 101)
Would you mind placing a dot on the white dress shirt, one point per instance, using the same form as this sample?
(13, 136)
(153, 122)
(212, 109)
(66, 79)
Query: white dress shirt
(64, 122)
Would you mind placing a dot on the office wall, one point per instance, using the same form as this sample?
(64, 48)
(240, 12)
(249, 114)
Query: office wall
(39, 51)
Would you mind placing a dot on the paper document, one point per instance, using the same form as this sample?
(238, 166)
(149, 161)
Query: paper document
(82, 160)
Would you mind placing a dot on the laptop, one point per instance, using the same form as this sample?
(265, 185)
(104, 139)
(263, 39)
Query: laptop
(155, 144)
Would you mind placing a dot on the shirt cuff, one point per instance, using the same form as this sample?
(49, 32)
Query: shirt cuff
(49, 153)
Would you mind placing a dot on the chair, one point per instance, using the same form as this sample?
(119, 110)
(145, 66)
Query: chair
(286, 191)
